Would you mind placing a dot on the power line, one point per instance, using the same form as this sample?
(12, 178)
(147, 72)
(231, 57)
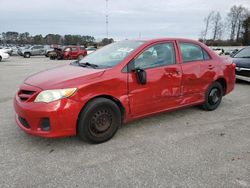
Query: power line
(107, 20)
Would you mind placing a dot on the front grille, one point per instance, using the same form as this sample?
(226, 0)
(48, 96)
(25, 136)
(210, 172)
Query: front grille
(25, 95)
(24, 122)
(243, 73)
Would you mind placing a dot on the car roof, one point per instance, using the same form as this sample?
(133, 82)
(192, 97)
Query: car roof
(163, 39)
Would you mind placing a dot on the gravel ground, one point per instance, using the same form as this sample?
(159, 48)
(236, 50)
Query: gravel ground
(185, 148)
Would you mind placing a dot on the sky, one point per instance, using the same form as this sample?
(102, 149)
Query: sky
(127, 19)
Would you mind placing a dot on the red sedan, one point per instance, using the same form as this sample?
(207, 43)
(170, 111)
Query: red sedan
(119, 83)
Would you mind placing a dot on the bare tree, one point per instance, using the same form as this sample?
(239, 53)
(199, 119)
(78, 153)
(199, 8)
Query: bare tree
(217, 26)
(246, 31)
(235, 18)
(207, 21)
(242, 16)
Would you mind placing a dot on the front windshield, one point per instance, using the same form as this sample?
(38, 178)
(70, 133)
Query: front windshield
(245, 53)
(111, 54)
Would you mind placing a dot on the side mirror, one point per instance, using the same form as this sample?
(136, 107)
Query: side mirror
(141, 76)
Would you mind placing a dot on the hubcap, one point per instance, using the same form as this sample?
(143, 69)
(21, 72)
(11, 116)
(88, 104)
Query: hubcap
(214, 96)
(101, 122)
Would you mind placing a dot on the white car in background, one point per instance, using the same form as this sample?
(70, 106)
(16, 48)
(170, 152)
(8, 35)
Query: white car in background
(7, 50)
(3, 55)
(219, 51)
(90, 50)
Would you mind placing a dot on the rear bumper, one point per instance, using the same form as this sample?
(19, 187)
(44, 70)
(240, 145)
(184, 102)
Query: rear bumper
(62, 116)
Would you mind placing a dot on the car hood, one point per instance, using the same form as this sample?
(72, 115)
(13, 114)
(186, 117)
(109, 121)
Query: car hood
(65, 76)
(242, 62)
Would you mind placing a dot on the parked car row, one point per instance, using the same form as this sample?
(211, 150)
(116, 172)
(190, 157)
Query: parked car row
(53, 51)
(58, 52)
(68, 52)
(222, 51)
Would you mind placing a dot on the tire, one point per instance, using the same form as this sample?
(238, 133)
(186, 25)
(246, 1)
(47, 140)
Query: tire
(26, 55)
(213, 96)
(80, 57)
(99, 121)
(47, 54)
(0, 58)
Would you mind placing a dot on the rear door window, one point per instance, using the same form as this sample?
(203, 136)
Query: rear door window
(192, 52)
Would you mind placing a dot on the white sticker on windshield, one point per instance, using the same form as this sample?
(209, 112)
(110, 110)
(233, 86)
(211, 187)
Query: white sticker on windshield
(127, 50)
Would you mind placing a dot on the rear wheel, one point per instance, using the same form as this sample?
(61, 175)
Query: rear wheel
(213, 97)
(0, 58)
(26, 55)
(80, 57)
(99, 121)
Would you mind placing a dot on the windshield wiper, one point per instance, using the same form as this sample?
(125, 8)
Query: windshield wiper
(245, 57)
(87, 64)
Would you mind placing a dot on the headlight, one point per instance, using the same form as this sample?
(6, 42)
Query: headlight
(55, 94)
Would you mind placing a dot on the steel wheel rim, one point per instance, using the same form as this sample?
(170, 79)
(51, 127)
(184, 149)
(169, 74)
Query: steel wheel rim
(101, 122)
(214, 96)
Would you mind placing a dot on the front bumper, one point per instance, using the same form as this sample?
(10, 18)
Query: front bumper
(62, 116)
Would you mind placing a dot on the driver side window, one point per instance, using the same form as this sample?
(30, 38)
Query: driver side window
(156, 56)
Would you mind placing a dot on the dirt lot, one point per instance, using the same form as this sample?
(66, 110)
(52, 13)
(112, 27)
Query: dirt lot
(185, 148)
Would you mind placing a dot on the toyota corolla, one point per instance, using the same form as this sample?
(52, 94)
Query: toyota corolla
(119, 83)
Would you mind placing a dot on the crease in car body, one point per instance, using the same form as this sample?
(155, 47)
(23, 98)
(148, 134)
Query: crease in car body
(122, 82)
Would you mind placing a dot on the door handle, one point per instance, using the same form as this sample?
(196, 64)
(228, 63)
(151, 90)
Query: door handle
(172, 71)
(210, 67)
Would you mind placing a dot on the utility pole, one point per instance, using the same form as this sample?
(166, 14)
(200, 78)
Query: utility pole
(107, 20)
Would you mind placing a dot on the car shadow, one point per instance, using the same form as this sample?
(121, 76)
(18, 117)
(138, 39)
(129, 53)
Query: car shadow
(242, 82)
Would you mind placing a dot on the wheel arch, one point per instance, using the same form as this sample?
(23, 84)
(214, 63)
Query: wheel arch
(27, 53)
(223, 83)
(114, 99)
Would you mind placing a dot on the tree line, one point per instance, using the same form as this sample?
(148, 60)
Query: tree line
(235, 27)
(12, 37)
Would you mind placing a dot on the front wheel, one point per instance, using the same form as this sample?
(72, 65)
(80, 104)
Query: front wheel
(213, 97)
(0, 58)
(99, 120)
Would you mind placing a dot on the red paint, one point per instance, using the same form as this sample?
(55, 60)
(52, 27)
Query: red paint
(74, 53)
(167, 88)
